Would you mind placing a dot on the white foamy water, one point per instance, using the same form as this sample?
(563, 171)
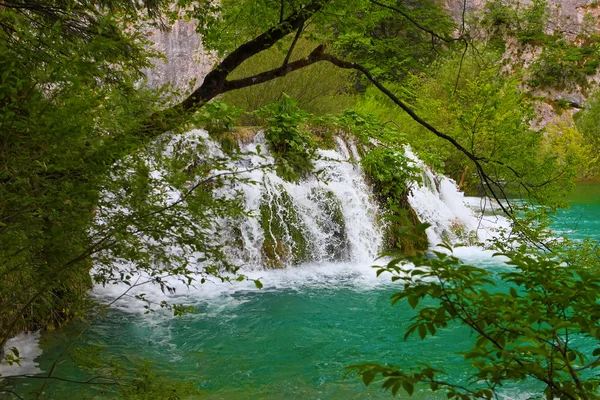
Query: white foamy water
(341, 185)
(453, 217)
(341, 253)
(28, 346)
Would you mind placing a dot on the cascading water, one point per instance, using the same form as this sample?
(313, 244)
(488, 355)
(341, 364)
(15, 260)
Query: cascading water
(327, 228)
(326, 219)
(438, 201)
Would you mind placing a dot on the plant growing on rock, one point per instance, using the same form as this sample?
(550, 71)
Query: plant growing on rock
(292, 147)
(391, 174)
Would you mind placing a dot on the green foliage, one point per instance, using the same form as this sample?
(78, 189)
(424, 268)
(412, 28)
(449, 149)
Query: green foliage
(569, 146)
(60, 93)
(367, 127)
(526, 22)
(383, 39)
(75, 182)
(388, 43)
(147, 224)
(391, 173)
(536, 320)
(147, 385)
(489, 116)
(81, 181)
(588, 123)
(562, 63)
(533, 20)
(462, 234)
(292, 147)
(217, 117)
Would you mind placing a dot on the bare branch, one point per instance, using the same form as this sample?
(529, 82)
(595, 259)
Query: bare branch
(289, 53)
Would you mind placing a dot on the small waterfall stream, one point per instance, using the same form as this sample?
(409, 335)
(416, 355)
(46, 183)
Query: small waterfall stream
(454, 218)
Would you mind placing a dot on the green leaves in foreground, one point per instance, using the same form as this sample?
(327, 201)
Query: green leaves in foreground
(538, 320)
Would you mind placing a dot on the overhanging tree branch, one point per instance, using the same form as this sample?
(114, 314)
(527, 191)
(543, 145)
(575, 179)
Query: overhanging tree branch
(476, 160)
(214, 81)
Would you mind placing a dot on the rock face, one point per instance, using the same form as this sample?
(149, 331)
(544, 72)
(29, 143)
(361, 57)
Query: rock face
(573, 20)
(186, 62)
(568, 17)
(565, 16)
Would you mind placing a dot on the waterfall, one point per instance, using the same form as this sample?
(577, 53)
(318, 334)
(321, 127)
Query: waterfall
(334, 218)
(324, 230)
(453, 217)
(329, 217)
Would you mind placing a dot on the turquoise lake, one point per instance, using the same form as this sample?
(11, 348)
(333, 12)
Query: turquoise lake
(290, 340)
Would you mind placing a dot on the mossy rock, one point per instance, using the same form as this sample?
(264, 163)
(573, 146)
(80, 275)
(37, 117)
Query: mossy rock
(284, 234)
(333, 224)
(401, 232)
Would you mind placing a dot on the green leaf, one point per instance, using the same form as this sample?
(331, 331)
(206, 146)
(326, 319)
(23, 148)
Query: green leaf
(422, 331)
(408, 387)
(413, 301)
(368, 376)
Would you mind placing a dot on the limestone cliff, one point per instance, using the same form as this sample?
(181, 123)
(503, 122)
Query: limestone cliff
(185, 63)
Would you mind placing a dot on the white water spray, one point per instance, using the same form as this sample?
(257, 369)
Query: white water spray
(453, 217)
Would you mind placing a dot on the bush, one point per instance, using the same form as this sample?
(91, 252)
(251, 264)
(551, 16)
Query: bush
(535, 321)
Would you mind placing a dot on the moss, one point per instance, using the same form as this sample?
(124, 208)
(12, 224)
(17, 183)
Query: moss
(402, 233)
(228, 142)
(333, 223)
(284, 240)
